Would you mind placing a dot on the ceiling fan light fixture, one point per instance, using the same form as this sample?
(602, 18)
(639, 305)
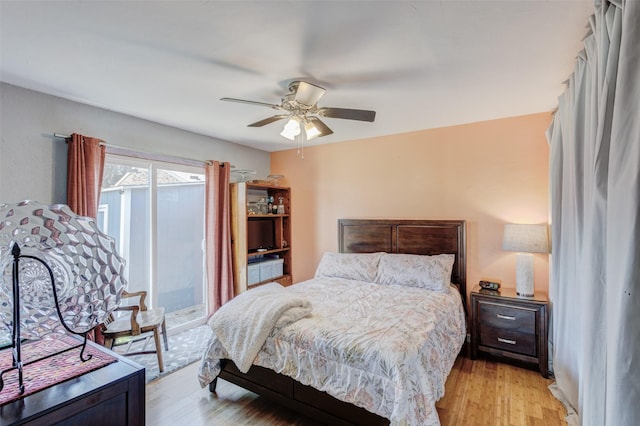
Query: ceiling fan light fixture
(291, 129)
(300, 110)
(306, 93)
(311, 130)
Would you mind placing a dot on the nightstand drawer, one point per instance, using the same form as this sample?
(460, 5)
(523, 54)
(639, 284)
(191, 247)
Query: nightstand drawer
(508, 340)
(507, 317)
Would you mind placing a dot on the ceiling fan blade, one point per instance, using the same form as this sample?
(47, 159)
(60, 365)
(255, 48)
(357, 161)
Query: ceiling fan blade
(267, 121)
(307, 93)
(349, 114)
(322, 128)
(243, 101)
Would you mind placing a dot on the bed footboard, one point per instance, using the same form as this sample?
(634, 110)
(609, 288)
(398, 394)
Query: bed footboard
(304, 399)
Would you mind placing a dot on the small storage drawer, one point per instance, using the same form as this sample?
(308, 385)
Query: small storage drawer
(270, 269)
(507, 317)
(253, 274)
(507, 340)
(278, 265)
(266, 270)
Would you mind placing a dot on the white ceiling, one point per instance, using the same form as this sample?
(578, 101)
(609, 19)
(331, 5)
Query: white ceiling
(419, 64)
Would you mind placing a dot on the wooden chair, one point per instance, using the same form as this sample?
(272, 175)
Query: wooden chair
(141, 320)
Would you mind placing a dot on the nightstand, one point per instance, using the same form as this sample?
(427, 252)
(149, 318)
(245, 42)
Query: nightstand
(509, 326)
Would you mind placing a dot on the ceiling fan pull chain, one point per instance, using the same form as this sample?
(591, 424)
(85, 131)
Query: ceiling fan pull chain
(301, 138)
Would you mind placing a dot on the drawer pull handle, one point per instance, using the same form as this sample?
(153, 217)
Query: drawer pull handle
(511, 342)
(507, 317)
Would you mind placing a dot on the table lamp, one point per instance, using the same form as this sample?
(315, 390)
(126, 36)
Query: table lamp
(525, 239)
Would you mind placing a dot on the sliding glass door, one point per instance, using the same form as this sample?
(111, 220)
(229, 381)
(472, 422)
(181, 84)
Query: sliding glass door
(155, 211)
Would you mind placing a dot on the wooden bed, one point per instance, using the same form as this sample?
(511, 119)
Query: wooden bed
(426, 237)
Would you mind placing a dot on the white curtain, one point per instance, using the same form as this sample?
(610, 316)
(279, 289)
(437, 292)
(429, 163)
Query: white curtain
(595, 214)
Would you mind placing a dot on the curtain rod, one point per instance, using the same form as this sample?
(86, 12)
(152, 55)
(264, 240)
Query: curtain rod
(150, 154)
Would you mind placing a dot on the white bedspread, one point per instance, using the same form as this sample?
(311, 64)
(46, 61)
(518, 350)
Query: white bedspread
(386, 348)
(243, 324)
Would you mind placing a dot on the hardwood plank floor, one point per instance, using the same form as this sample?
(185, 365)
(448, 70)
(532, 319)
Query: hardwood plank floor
(480, 392)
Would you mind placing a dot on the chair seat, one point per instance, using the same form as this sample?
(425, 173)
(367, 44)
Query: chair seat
(150, 318)
(147, 320)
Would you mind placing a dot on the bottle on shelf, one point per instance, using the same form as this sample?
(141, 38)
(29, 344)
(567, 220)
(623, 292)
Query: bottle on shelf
(280, 209)
(271, 205)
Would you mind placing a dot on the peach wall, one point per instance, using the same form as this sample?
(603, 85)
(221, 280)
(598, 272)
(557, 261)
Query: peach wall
(487, 173)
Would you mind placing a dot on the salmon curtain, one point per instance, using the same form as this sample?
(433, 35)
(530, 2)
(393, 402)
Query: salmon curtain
(218, 235)
(85, 164)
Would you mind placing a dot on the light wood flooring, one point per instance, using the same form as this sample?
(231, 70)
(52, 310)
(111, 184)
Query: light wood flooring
(480, 392)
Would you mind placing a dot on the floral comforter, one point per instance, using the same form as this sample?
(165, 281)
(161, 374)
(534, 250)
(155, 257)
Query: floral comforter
(386, 348)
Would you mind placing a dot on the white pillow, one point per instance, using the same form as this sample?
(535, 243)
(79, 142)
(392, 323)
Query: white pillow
(412, 270)
(352, 266)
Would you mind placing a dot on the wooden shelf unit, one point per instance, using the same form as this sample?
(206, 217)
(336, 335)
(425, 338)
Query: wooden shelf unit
(242, 193)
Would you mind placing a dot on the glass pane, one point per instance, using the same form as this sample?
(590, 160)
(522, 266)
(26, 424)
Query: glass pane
(180, 244)
(124, 214)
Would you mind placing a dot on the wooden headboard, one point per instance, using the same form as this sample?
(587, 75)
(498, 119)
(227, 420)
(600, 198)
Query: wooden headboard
(427, 237)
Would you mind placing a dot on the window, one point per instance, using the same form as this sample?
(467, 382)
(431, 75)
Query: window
(155, 212)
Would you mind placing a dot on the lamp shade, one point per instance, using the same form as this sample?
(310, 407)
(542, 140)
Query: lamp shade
(311, 130)
(526, 238)
(291, 129)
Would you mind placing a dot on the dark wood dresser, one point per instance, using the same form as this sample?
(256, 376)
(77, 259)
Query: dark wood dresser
(506, 325)
(111, 395)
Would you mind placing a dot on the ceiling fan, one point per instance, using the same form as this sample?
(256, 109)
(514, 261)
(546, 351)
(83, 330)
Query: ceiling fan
(300, 107)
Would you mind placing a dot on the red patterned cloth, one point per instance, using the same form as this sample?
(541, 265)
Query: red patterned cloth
(48, 372)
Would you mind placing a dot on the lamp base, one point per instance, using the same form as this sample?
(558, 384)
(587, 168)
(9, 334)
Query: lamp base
(524, 275)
